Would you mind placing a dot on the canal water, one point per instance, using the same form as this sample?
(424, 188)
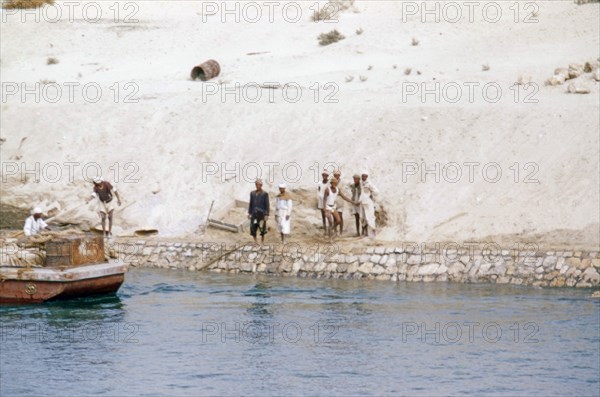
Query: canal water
(176, 333)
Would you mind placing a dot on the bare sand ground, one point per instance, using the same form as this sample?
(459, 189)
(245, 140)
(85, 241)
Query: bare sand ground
(159, 149)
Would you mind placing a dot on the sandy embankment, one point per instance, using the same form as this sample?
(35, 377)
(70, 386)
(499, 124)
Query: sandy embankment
(165, 140)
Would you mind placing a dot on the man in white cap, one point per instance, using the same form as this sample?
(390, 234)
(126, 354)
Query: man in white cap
(331, 198)
(283, 211)
(337, 174)
(323, 185)
(104, 191)
(35, 224)
(367, 205)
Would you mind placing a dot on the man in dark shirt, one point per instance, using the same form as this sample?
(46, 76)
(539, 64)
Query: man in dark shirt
(258, 211)
(104, 191)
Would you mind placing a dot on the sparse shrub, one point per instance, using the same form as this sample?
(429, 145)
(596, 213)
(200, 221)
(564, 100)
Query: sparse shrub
(359, 31)
(51, 61)
(407, 71)
(586, 1)
(331, 10)
(485, 67)
(24, 4)
(415, 42)
(326, 13)
(329, 38)
(381, 216)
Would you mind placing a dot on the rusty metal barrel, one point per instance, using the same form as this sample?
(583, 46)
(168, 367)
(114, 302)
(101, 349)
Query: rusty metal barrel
(206, 70)
(74, 251)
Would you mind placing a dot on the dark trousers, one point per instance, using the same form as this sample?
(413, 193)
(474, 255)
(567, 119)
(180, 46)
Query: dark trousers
(258, 222)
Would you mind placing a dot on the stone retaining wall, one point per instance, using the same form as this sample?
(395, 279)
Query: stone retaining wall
(408, 263)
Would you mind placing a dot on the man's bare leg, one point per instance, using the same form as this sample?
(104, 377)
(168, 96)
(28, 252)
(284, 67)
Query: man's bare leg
(341, 221)
(110, 218)
(357, 221)
(329, 230)
(103, 221)
(324, 216)
(336, 221)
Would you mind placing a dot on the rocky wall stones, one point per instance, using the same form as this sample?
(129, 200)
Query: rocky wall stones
(545, 269)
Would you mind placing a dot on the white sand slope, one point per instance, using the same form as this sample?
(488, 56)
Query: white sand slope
(169, 141)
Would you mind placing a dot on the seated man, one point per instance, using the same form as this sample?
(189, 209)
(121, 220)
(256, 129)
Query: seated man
(35, 224)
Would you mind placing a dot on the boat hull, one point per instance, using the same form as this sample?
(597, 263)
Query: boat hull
(26, 285)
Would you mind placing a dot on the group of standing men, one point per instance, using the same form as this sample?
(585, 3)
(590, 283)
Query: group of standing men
(329, 195)
(362, 197)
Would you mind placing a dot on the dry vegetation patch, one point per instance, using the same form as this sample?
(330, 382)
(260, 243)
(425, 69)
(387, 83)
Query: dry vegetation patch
(332, 9)
(329, 38)
(24, 4)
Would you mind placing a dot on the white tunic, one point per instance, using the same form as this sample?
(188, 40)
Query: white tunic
(33, 226)
(367, 189)
(367, 206)
(283, 209)
(331, 198)
(321, 193)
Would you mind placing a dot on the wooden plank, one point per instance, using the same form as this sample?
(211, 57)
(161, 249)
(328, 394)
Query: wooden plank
(208, 217)
(241, 204)
(223, 226)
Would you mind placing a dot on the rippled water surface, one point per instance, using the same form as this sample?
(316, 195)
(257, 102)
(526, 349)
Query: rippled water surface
(186, 334)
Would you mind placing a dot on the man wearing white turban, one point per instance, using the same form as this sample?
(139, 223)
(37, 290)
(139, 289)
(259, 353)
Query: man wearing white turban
(283, 212)
(368, 193)
(35, 224)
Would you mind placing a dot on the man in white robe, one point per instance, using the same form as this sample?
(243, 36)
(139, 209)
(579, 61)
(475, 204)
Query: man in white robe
(34, 224)
(368, 194)
(323, 185)
(283, 212)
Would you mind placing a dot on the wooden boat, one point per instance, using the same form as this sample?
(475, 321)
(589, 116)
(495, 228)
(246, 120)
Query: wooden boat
(35, 285)
(74, 267)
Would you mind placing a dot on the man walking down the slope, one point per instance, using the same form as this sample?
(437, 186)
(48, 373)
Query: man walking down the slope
(258, 211)
(104, 192)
